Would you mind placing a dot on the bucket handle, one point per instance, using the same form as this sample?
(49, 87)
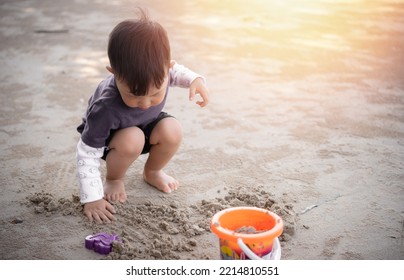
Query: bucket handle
(275, 254)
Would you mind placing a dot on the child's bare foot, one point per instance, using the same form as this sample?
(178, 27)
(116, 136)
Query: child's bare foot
(160, 180)
(115, 191)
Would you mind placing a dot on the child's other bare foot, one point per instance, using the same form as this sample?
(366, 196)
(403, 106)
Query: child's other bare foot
(160, 180)
(115, 191)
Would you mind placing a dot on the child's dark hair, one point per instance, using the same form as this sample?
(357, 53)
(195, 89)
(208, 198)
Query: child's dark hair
(139, 53)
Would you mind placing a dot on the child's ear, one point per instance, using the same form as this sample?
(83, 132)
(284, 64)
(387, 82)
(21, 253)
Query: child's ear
(109, 68)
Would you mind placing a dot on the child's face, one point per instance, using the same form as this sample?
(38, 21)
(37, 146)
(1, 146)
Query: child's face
(154, 95)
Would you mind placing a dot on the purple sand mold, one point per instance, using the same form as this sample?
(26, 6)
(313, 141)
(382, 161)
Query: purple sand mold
(101, 242)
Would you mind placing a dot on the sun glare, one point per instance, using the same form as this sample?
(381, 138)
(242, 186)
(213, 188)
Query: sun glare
(297, 31)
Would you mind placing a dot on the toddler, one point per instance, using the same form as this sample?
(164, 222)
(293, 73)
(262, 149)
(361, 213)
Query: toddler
(124, 117)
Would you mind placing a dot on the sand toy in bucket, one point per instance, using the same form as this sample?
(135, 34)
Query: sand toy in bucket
(248, 233)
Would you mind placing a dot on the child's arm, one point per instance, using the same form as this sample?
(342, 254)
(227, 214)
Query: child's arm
(183, 77)
(88, 173)
(91, 189)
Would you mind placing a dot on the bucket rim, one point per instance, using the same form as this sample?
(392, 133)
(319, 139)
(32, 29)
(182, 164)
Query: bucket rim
(231, 235)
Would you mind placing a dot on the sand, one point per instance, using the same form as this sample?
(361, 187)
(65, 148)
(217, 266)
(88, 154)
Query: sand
(306, 119)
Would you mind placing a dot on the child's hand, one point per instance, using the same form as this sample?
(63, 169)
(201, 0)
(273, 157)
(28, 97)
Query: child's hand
(198, 87)
(100, 211)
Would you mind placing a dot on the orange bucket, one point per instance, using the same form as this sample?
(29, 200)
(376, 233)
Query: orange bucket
(262, 244)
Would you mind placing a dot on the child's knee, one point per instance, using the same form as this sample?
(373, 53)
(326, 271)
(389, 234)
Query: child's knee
(129, 141)
(168, 131)
(174, 135)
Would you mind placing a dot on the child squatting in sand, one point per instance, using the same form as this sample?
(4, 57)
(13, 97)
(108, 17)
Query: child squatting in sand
(124, 117)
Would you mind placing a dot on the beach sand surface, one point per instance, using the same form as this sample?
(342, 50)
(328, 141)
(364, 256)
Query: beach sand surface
(306, 119)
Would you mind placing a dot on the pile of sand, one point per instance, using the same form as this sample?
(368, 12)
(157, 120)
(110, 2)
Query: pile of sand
(168, 231)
